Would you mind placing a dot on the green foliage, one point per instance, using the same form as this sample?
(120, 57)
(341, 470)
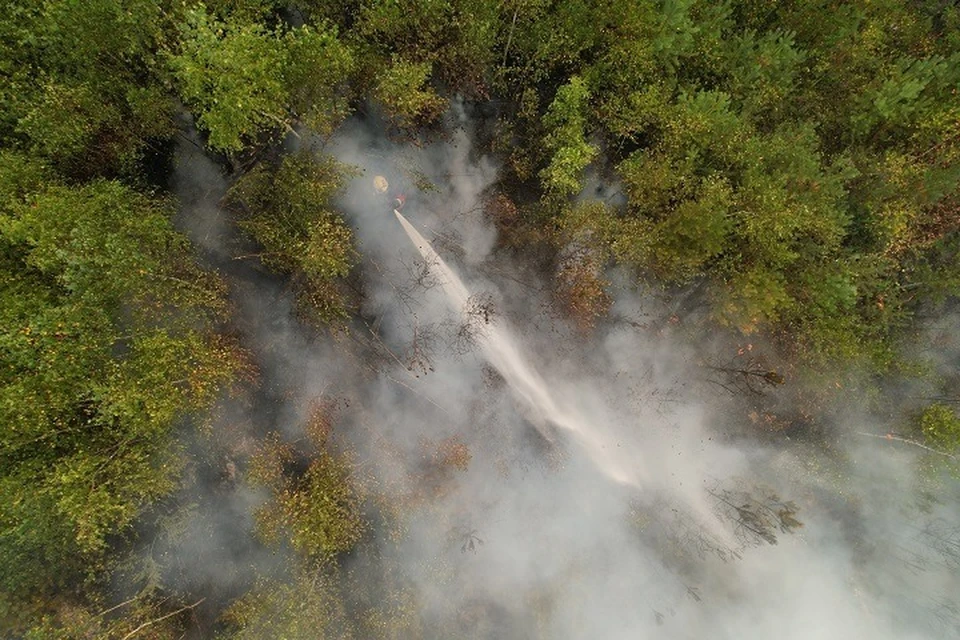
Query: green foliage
(909, 92)
(764, 71)
(322, 514)
(550, 38)
(317, 70)
(229, 74)
(400, 88)
(244, 79)
(287, 209)
(801, 160)
(246, 10)
(107, 342)
(145, 616)
(325, 604)
(696, 231)
(940, 425)
(626, 116)
(65, 119)
(318, 512)
(80, 85)
(565, 122)
(454, 38)
(675, 34)
(751, 298)
(786, 153)
(311, 606)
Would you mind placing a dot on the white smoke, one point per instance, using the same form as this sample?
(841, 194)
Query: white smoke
(632, 517)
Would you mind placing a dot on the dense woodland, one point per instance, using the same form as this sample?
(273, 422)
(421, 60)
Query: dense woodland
(791, 167)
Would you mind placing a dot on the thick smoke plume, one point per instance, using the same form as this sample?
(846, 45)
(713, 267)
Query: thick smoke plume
(633, 508)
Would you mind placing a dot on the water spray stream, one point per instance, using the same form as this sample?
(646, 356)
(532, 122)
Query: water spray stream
(503, 354)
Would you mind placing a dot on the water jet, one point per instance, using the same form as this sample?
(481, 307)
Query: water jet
(502, 352)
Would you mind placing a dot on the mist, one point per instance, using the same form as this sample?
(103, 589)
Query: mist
(634, 507)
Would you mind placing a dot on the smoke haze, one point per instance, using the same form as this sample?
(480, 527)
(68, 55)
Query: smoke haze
(637, 510)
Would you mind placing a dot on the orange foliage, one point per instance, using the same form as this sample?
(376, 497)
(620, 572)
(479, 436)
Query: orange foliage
(452, 452)
(323, 413)
(581, 290)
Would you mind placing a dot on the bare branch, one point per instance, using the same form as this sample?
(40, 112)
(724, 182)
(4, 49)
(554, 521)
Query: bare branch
(890, 436)
(513, 24)
(162, 618)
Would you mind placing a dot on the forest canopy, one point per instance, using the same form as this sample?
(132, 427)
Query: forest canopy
(793, 167)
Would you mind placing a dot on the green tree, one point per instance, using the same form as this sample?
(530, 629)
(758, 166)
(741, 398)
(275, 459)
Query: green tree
(108, 340)
(287, 209)
(317, 512)
(325, 604)
(244, 80)
(310, 606)
(565, 122)
(455, 39)
(80, 83)
(401, 87)
(940, 425)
